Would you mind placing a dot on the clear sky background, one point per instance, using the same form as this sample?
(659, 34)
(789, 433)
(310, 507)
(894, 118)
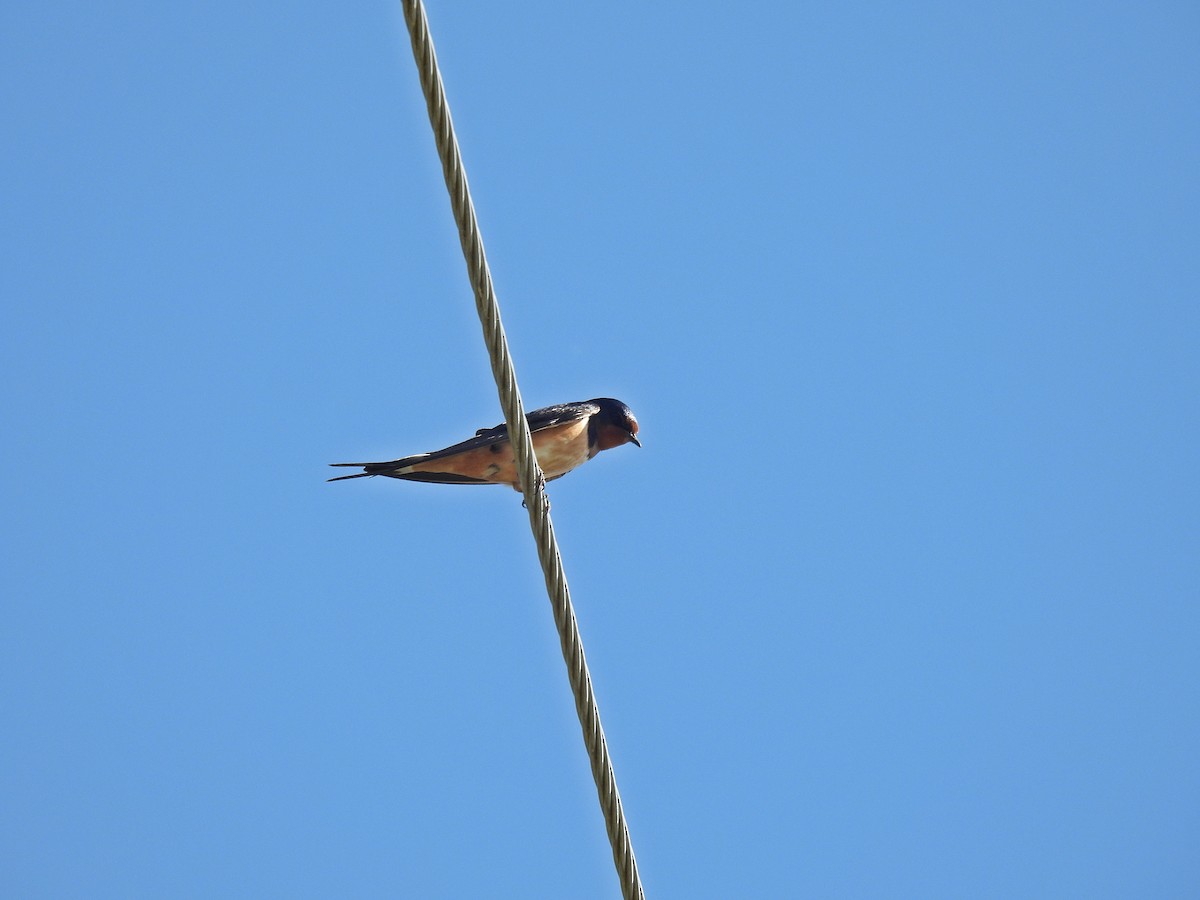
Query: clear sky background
(900, 599)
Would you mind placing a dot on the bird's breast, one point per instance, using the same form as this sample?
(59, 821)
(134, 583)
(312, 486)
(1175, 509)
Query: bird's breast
(562, 448)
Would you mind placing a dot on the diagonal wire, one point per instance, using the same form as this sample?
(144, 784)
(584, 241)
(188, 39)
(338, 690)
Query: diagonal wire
(533, 483)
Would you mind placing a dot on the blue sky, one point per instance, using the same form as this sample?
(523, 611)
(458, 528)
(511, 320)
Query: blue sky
(900, 599)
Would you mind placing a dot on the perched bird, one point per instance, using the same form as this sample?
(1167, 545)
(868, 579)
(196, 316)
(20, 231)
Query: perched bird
(564, 438)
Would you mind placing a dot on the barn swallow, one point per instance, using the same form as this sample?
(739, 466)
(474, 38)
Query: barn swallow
(564, 437)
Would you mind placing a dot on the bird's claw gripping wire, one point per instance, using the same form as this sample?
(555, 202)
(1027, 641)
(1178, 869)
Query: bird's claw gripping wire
(539, 490)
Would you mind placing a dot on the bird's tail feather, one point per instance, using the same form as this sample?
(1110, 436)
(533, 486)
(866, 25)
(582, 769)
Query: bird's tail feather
(375, 468)
(369, 468)
(348, 477)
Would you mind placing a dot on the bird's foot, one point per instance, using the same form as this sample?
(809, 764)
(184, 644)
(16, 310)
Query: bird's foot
(540, 492)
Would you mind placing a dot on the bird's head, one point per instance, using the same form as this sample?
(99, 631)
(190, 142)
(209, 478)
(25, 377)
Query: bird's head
(617, 424)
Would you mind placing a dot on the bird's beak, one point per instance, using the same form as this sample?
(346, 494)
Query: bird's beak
(633, 437)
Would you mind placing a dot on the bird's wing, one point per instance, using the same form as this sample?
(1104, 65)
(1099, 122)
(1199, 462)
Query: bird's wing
(540, 419)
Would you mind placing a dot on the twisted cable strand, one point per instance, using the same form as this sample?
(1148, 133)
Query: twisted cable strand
(533, 482)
